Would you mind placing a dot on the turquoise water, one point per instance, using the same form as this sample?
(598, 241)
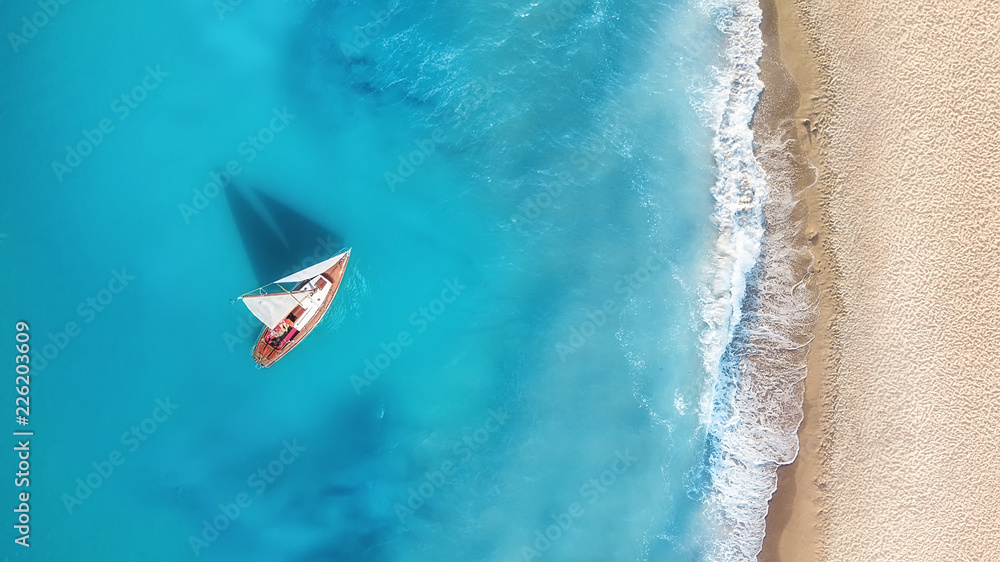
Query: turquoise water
(529, 338)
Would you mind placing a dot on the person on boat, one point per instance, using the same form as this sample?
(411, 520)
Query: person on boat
(279, 331)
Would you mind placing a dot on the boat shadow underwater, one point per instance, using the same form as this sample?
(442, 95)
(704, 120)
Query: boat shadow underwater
(278, 239)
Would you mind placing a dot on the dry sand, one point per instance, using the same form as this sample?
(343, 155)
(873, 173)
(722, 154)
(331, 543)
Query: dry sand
(899, 107)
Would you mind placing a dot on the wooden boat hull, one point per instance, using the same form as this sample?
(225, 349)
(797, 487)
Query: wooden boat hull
(265, 354)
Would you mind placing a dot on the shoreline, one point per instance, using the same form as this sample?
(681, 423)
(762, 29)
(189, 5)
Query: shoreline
(786, 111)
(762, 244)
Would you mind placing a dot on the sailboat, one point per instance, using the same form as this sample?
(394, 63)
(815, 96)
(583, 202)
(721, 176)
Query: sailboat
(292, 311)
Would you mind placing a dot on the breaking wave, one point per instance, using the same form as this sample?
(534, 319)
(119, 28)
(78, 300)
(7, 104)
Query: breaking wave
(756, 304)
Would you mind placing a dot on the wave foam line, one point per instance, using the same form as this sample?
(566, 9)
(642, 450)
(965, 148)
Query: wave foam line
(755, 306)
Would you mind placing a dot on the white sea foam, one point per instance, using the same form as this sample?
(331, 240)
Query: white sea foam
(754, 307)
(741, 188)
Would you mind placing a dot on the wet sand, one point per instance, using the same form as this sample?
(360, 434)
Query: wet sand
(788, 156)
(897, 107)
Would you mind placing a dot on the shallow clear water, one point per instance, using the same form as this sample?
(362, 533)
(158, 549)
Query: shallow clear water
(519, 348)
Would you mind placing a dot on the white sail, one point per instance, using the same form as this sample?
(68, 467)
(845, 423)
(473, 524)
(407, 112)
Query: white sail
(312, 270)
(272, 309)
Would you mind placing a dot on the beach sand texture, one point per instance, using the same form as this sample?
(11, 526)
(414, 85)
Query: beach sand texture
(904, 109)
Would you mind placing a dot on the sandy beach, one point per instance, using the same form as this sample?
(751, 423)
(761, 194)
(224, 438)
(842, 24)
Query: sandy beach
(897, 103)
